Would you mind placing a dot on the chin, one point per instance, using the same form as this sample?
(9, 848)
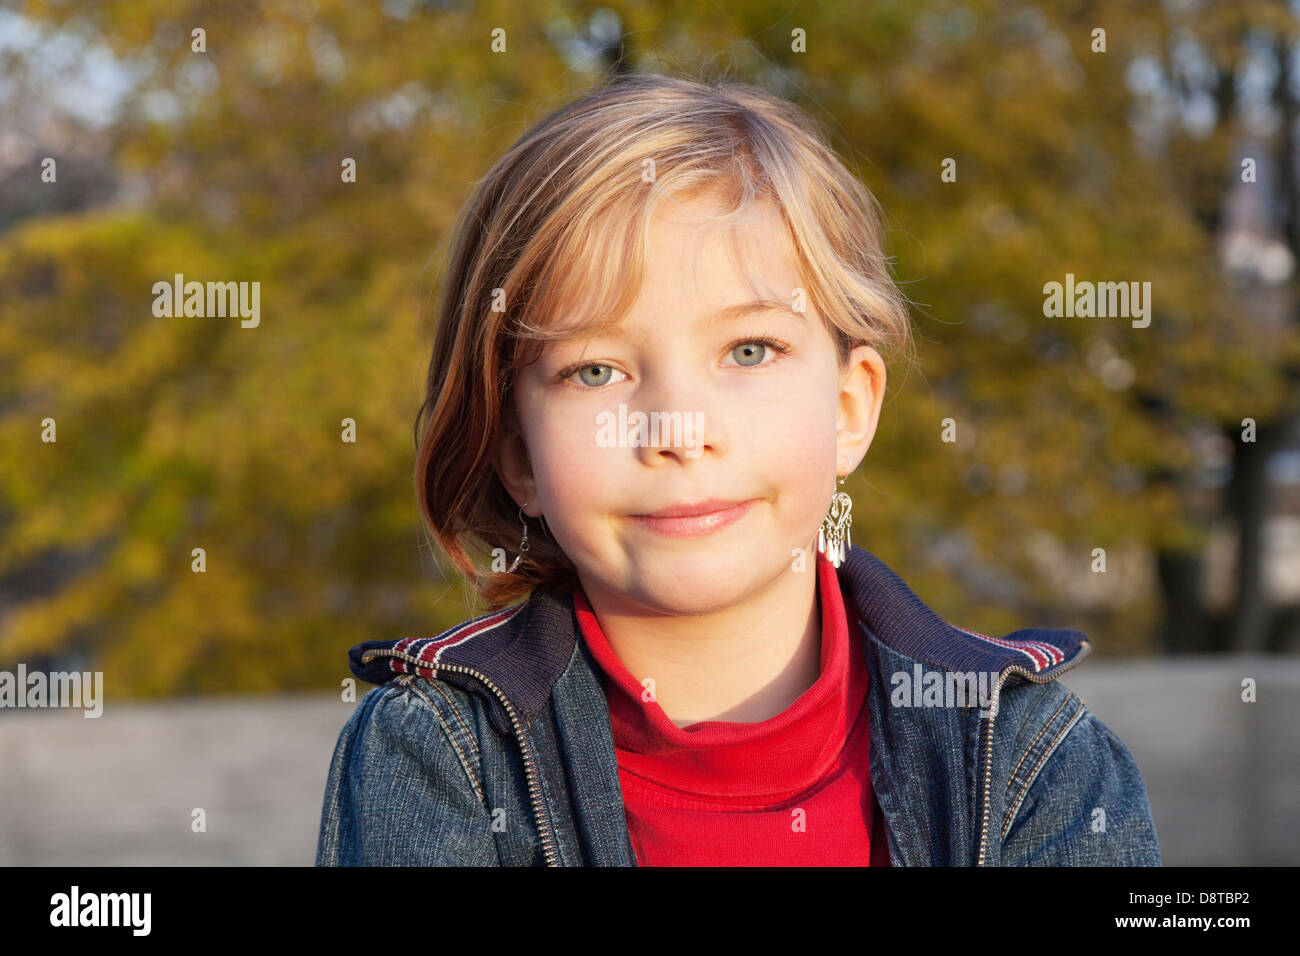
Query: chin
(691, 586)
(697, 601)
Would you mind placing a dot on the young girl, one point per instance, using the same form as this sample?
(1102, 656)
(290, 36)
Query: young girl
(658, 358)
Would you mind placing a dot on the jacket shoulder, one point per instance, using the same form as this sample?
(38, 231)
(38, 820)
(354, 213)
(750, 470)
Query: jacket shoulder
(1074, 794)
(423, 718)
(405, 783)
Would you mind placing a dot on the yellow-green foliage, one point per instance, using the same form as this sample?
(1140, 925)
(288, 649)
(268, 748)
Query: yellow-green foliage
(178, 433)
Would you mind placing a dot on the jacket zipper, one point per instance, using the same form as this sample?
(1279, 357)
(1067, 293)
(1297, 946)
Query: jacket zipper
(988, 735)
(534, 790)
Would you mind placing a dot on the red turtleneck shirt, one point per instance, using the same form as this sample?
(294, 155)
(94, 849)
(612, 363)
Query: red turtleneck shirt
(792, 790)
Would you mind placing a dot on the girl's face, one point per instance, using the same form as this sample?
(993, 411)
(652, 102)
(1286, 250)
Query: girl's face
(778, 422)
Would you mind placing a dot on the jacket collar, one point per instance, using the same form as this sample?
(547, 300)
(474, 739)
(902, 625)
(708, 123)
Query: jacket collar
(523, 649)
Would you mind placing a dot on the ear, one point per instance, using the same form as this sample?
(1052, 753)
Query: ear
(862, 392)
(513, 466)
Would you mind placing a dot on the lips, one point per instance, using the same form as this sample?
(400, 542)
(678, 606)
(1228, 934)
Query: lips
(698, 508)
(692, 520)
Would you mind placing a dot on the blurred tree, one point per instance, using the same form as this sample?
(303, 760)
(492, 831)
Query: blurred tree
(175, 434)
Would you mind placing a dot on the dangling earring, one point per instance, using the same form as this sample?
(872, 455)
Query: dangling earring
(833, 535)
(523, 545)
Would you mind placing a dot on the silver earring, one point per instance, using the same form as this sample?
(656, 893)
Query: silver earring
(523, 545)
(833, 535)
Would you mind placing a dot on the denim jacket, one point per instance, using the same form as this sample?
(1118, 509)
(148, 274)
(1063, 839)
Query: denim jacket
(490, 745)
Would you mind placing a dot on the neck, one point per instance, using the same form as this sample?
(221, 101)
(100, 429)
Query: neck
(745, 663)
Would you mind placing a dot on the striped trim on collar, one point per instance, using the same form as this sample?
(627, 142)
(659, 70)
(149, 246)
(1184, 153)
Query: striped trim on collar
(522, 649)
(430, 649)
(1041, 654)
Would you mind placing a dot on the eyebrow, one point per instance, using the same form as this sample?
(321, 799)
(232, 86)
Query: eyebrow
(743, 309)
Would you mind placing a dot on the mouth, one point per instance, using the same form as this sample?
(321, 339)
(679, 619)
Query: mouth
(692, 520)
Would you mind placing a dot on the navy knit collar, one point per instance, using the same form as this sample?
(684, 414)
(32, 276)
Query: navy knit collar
(523, 649)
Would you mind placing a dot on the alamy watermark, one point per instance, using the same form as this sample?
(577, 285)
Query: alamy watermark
(658, 429)
(55, 689)
(930, 688)
(1102, 300)
(210, 300)
(76, 908)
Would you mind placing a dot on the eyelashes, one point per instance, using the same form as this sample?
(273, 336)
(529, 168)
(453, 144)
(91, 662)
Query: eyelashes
(776, 345)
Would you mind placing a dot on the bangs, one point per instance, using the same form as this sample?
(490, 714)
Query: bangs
(588, 284)
(594, 270)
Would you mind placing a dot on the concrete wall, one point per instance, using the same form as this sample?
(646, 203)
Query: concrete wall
(1224, 776)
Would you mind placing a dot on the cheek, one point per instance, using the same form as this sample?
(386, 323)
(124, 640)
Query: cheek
(570, 468)
(798, 431)
(796, 450)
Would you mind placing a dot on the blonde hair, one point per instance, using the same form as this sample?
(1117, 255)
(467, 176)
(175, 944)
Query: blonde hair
(547, 215)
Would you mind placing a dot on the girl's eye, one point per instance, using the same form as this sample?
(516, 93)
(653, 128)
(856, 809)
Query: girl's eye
(750, 350)
(756, 349)
(601, 377)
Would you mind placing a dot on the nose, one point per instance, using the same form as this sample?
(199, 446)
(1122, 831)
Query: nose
(681, 423)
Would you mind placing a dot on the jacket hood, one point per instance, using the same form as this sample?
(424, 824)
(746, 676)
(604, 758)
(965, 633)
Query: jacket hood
(523, 649)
